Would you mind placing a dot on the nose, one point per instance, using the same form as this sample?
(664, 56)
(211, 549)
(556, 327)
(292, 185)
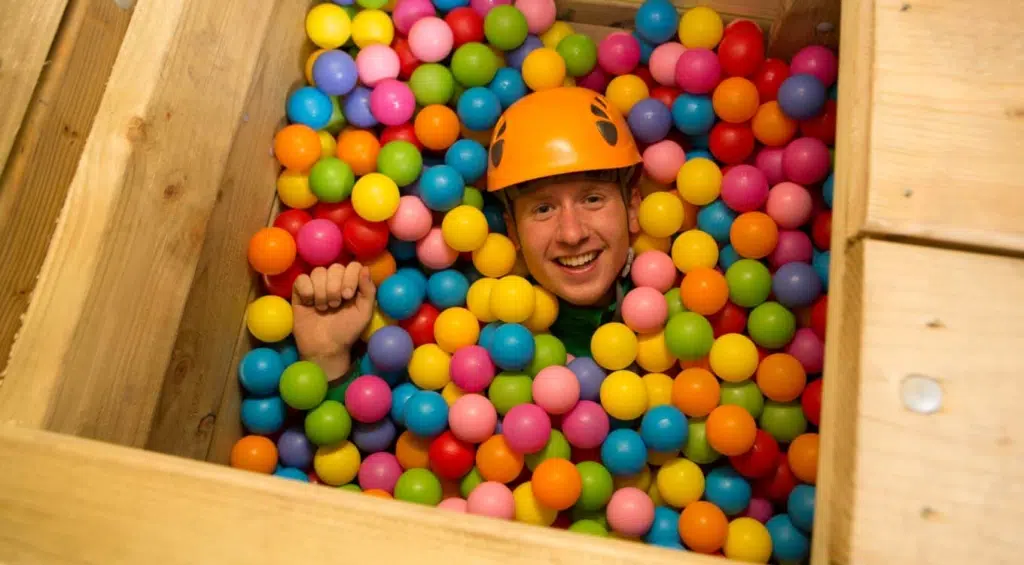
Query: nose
(571, 229)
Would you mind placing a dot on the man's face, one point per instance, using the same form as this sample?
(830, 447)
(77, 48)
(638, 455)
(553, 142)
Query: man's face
(575, 236)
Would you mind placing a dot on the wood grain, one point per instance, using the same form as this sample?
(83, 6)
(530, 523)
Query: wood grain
(621, 13)
(804, 22)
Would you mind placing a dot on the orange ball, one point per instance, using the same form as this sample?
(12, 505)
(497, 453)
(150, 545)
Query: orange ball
(310, 61)
(703, 526)
(781, 377)
(702, 363)
(254, 453)
(297, 147)
(437, 127)
(412, 451)
(557, 483)
(704, 291)
(271, 251)
(359, 148)
(696, 392)
(771, 126)
(497, 462)
(379, 493)
(754, 235)
(731, 430)
(689, 215)
(382, 267)
(735, 100)
(803, 457)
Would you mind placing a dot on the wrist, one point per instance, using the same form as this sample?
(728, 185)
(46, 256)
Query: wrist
(335, 365)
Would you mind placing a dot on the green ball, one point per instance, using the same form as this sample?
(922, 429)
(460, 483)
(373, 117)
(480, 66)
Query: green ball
(400, 161)
(470, 482)
(749, 282)
(548, 350)
(579, 52)
(457, 93)
(675, 302)
(771, 325)
(589, 527)
(432, 83)
(597, 485)
(352, 487)
(419, 486)
(331, 180)
(337, 121)
(557, 447)
(510, 389)
(697, 448)
(474, 64)
(473, 197)
(303, 385)
(505, 27)
(577, 514)
(689, 336)
(328, 423)
(744, 394)
(372, 4)
(783, 420)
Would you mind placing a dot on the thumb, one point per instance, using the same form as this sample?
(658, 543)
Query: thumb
(367, 291)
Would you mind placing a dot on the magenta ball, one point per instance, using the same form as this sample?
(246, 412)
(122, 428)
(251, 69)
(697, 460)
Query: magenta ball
(806, 160)
(483, 6)
(789, 204)
(818, 61)
(630, 512)
(744, 188)
(472, 418)
(472, 369)
(408, 12)
(655, 269)
(596, 80)
(808, 349)
(430, 39)
(412, 220)
(392, 102)
(663, 160)
(493, 499)
(586, 425)
(793, 246)
(377, 62)
(433, 252)
(644, 309)
(769, 161)
(698, 71)
(454, 504)
(380, 470)
(527, 428)
(556, 389)
(540, 14)
(618, 53)
(663, 60)
(319, 242)
(368, 399)
(759, 509)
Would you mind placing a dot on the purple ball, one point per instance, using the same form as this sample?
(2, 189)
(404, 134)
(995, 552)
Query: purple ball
(796, 285)
(390, 348)
(357, 108)
(515, 57)
(650, 120)
(802, 96)
(334, 72)
(294, 449)
(590, 375)
(375, 437)
(379, 470)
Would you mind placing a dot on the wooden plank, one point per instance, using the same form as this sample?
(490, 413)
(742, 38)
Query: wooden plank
(45, 155)
(132, 506)
(620, 13)
(947, 127)
(97, 336)
(804, 22)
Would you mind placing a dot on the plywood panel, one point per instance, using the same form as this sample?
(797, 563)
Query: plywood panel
(804, 22)
(620, 13)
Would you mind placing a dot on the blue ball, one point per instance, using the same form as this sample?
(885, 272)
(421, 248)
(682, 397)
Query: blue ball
(656, 21)
(693, 114)
(399, 396)
(508, 85)
(486, 339)
(400, 296)
(649, 120)
(402, 250)
(426, 413)
(796, 285)
(357, 108)
(669, 543)
(447, 288)
(292, 473)
(801, 96)
(820, 263)
(472, 275)
(287, 350)
(788, 542)
(828, 188)
(334, 73)
(623, 452)
(390, 348)
(728, 490)
(260, 371)
(800, 507)
(371, 438)
(590, 375)
(727, 256)
(512, 347)
(515, 57)
(495, 218)
(699, 152)
(445, 6)
(478, 108)
(664, 428)
(646, 48)
(665, 526)
(833, 91)
(468, 158)
(701, 141)
(309, 106)
(416, 275)
(263, 416)
(716, 219)
(441, 188)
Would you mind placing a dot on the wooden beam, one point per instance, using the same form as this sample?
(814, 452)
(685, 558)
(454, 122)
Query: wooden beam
(804, 22)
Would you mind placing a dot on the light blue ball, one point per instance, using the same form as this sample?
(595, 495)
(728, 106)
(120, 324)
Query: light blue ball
(441, 188)
(656, 21)
(646, 48)
(664, 428)
(447, 289)
(727, 256)
(820, 263)
(292, 473)
(788, 542)
(445, 6)
(287, 350)
(665, 527)
(623, 452)
(716, 219)
(508, 85)
(728, 490)
(402, 250)
(309, 106)
(700, 152)
(400, 296)
(495, 215)
(669, 543)
(486, 339)
(512, 347)
(416, 274)
(263, 416)
(828, 188)
(693, 114)
(399, 396)
(260, 371)
(426, 413)
(472, 275)
(800, 507)
(478, 108)
(468, 158)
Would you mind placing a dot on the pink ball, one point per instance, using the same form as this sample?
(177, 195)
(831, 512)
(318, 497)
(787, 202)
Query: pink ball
(472, 369)
(483, 6)
(492, 499)
(392, 102)
(630, 511)
(769, 161)
(806, 160)
(662, 161)
(412, 220)
(380, 470)
(655, 269)
(663, 61)
(408, 12)
(569, 357)
(430, 39)
(527, 428)
(816, 60)
(744, 188)
(540, 14)
(319, 242)
(368, 399)
(793, 246)
(586, 425)
(808, 349)
(556, 389)
(472, 418)
(596, 80)
(698, 71)
(644, 309)
(759, 509)
(375, 63)
(618, 53)
(790, 205)
(454, 504)
(433, 252)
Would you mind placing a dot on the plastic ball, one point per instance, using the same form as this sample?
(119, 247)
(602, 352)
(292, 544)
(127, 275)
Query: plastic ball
(698, 71)
(472, 369)
(802, 96)
(741, 52)
(754, 235)
(474, 64)
(760, 509)
(586, 425)
(526, 428)
(450, 457)
(505, 27)
(513, 347)
(703, 527)
(769, 76)
(430, 39)
(796, 285)
(294, 448)
(512, 299)
(529, 509)
(426, 413)
(447, 289)
(657, 21)
(808, 348)
(309, 106)
(771, 325)
(644, 309)
(437, 128)
(806, 161)
(618, 53)
(368, 399)
(375, 197)
(260, 371)
(788, 542)
(508, 86)
(508, 390)
(431, 84)
(455, 328)
(328, 26)
(700, 27)
(495, 257)
(760, 460)
(662, 160)
(263, 415)
(392, 102)
(803, 457)
(733, 357)
(771, 126)
(654, 269)
(693, 114)
(793, 246)
(492, 499)
(704, 291)
(496, 461)
(818, 61)
(472, 418)
(649, 120)
(693, 249)
(464, 229)
(748, 540)
(331, 180)
(589, 375)
(613, 346)
(735, 100)
(699, 181)
(297, 147)
(800, 507)
(623, 452)
(419, 486)
(680, 482)
(515, 58)
(624, 395)
(731, 143)
(433, 252)
(539, 14)
(596, 486)
(543, 69)
(379, 470)
(728, 490)
(357, 108)
(441, 188)
(412, 219)
(579, 52)
(556, 389)
(689, 336)
(716, 220)
(359, 149)
(785, 421)
(271, 251)
(630, 512)
(269, 318)
(329, 423)
(749, 282)
(664, 428)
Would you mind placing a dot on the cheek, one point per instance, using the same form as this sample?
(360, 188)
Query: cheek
(534, 238)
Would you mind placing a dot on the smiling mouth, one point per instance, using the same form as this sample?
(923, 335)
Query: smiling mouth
(578, 262)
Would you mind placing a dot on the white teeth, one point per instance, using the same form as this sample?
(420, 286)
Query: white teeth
(578, 260)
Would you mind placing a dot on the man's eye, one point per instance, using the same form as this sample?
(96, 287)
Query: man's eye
(594, 199)
(543, 209)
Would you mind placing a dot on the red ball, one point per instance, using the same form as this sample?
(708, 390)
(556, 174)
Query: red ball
(580, 454)
(665, 94)
(404, 132)
(450, 457)
(822, 126)
(292, 221)
(467, 26)
(281, 284)
(810, 399)
(743, 26)
(406, 60)
(768, 77)
(731, 319)
(365, 240)
(819, 316)
(821, 230)
(778, 484)
(741, 53)
(420, 326)
(562, 521)
(339, 212)
(760, 459)
(731, 143)
(645, 75)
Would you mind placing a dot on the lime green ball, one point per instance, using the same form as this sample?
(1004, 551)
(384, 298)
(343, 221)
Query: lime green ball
(557, 447)
(400, 161)
(505, 27)
(473, 197)
(750, 282)
(419, 486)
(474, 64)
(352, 487)
(689, 336)
(771, 325)
(783, 420)
(548, 350)
(331, 180)
(432, 83)
(675, 302)
(470, 482)
(456, 94)
(337, 121)
(510, 389)
(328, 423)
(589, 527)
(579, 52)
(372, 4)
(697, 448)
(303, 385)
(597, 485)
(577, 513)
(744, 394)
(337, 391)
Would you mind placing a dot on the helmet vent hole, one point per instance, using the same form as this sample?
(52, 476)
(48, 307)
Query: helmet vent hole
(609, 132)
(598, 112)
(496, 151)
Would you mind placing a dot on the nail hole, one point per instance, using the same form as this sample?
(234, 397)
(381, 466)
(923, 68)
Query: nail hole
(921, 394)
(125, 4)
(825, 27)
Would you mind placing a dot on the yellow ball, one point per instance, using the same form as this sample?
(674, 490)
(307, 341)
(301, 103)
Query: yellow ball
(652, 353)
(310, 61)
(641, 480)
(699, 181)
(478, 299)
(747, 540)
(375, 197)
(520, 269)
(613, 346)
(694, 248)
(328, 26)
(680, 482)
(454, 328)
(372, 26)
(659, 458)
(624, 395)
(451, 393)
(529, 509)
(543, 68)
(626, 90)
(659, 389)
(700, 27)
(649, 186)
(645, 242)
(556, 33)
(512, 299)
(428, 367)
(464, 228)
(337, 464)
(545, 311)
(328, 145)
(377, 321)
(293, 190)
(733, 358)
(496, 257)
(661, 214)
(569, 81)
(269, 318)
(655, 494)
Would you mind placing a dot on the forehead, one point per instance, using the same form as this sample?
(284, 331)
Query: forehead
(565, 186)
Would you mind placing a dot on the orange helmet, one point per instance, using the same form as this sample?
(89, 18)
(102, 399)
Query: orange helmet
(558, 131)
